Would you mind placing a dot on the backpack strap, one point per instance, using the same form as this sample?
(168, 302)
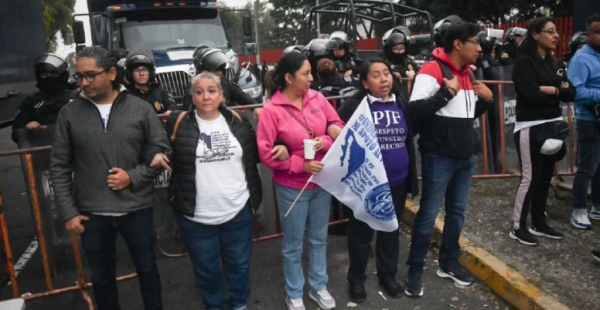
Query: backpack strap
(237, 115)
(447, 72)
(179, 118)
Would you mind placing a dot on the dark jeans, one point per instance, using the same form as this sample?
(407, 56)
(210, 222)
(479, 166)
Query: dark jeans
(229, 243)
(443, 178)
(387, 248)
(589, 162)
(99, 242)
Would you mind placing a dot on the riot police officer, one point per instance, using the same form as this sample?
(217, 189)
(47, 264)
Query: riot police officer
(486, 61)
(293, 49)
(508, 52)
(215, 61)
(395, 46)
(577, 41)
(141, 76)
(315, 50)
(338, 48)
(40, 109)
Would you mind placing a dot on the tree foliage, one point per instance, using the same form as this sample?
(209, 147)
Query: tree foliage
(57, 19)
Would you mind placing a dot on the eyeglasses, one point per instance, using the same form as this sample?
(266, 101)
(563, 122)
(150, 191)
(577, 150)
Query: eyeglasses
(550, 31)
(476, 42)
(139, 70)
(89, 77)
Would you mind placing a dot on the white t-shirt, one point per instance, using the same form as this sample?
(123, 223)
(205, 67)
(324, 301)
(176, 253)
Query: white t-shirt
(221, 188)
(104, 110)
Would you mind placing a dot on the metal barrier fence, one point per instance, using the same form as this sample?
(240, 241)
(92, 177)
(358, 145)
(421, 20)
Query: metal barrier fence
(504, 108)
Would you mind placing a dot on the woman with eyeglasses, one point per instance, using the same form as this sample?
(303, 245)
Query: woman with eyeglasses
(539, 130)
(215, 190)
(296, 114)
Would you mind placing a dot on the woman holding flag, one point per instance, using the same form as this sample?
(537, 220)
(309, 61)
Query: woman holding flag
(395, 136)
(296, 114)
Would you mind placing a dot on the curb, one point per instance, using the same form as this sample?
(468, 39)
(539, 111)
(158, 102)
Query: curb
(505, 281)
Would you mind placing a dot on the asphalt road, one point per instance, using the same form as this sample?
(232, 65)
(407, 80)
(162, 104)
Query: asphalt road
(179, 290)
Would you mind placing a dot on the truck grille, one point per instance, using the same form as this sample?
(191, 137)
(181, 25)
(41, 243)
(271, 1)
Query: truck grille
(176, 83)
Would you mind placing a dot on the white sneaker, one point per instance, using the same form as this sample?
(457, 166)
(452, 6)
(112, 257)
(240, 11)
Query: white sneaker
(323, 298)
(295, 304)
(580, 219)
(595, 213)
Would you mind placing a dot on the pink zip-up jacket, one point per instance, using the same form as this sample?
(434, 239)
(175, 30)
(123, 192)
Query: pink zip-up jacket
(277, 123)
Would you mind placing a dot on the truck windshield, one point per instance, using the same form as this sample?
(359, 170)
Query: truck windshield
(169, 29)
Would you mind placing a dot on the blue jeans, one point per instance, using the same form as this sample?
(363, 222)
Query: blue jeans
(443, 177)
(229, 243)
(99, 242)
(589, 163)
(311, 212)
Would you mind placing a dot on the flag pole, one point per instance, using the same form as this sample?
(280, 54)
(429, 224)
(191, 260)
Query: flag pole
(298, 197)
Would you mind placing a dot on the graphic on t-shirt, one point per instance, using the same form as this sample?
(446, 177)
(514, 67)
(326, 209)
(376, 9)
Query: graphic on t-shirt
(391, 129)
(217, 147)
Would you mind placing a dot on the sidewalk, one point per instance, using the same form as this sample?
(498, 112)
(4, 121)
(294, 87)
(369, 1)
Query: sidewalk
(563, 268)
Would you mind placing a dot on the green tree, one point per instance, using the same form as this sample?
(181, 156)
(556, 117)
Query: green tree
(57, 19)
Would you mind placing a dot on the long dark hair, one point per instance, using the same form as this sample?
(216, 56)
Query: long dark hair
(529, 45)
(275, 79)
(364, 73)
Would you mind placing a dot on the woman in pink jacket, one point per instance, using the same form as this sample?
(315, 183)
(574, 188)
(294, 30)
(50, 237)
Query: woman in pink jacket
(293, 114)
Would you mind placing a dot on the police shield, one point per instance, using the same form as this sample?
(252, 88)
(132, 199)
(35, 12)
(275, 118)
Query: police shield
(57, 237)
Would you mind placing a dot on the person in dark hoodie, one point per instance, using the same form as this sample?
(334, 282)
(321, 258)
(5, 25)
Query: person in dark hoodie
(447, 143)
(99, 138)
(539, 130)
(392, 116)
(42, 108)
(584, 73)
(141, 74)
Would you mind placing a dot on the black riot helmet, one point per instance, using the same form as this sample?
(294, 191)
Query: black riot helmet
(293, 49)
(210, 59)
(315, 50)
(51, 63)
(486, 42)
(578, 39)
(138, 59)
(440, 28)
(338, 40)
(393, 37)
(514, 32)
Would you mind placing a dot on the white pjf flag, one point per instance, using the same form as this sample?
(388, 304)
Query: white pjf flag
(353, 172)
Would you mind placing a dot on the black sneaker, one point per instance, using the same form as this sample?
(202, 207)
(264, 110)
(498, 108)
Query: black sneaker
(357, 292)
(523, 236)
(391, 287)
(456, 273)
(596, 255)
(414, 283)
(546, 231)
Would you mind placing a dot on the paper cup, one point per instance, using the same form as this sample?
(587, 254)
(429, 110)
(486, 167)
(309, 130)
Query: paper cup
(309, 148)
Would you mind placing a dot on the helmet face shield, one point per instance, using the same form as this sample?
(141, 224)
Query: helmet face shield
(50, 63)
(211, 59)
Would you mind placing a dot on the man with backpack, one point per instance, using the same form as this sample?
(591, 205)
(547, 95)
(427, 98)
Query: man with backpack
(447, 143)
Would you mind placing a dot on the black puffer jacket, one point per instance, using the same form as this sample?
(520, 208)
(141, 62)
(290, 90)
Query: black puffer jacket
(183, 178)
